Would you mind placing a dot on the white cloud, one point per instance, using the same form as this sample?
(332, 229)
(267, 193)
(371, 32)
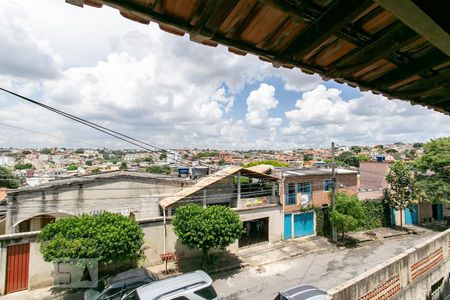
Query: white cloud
(321, 116)
(22, 53)
(259, 102)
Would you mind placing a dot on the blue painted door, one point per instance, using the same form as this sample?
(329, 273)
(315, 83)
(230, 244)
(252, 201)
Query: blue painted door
(287, 226)
(303, 224)
(439, 212)
(412, 215)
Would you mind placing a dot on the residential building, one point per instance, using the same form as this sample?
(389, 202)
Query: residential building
(253, 195)
(31, 208)
(301, 189)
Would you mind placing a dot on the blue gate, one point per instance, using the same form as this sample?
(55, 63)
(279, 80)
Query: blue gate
(303, 224)
(287, 226)
(412, 215)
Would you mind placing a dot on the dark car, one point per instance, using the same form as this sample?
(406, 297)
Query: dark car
(303, 292)
(118, 285)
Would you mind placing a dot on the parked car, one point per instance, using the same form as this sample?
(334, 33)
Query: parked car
(190, 286)
(118, 285)
(303, 292)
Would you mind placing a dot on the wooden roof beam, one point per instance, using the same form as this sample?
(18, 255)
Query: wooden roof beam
(424, 86)
(414, 17)
(329, 23)
(396, 37)
(434, 58)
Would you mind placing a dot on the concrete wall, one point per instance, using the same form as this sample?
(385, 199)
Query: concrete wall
(154, 233)
(40, 272)
(140, 196)
(409, 275)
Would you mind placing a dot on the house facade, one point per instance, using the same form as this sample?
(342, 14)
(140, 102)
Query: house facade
(128, 193)
(303, 189)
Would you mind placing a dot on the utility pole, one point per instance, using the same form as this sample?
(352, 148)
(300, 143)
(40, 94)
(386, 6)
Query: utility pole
(333, 190)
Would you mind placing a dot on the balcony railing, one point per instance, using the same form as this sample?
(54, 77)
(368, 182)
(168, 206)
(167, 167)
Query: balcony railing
(258, 201)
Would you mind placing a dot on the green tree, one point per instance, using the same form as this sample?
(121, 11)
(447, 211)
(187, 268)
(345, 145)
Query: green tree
(46, 151)
(434, 187)
(274, 163)
(205, 228)
(308, 157)
(391, 151)
(123, 166)
(95, 170)
(348, 213)
(72, 167)
(418, 145)
(400, 192)
(89, 163)
(221, 162)
(356, 149)
(158, 170)
(23, 166)
(163, 155)
(7, 179)
(79, 151)
(108, 237)
(26, 152)
(148, 159)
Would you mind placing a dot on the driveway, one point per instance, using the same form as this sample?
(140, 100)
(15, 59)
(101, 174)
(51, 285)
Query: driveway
(324, 270)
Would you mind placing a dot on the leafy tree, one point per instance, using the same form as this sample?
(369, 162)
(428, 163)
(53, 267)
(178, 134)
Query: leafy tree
(418, 145)
(79, 151)
(391, 151)
(356, 149)
(7, 179)
(158, 170)
(205, 228)
(26, 152)
(163, 155)
(434, 188)
(108, 237)
(89, 163)
(95, 170)
(308, 157)
(274, 163)
(123, 166)
(148, 159)
(348, 213)
(72, 167)
(400, 192)
(221, 162)
(46, 151)
(23, 166)
(207, 154)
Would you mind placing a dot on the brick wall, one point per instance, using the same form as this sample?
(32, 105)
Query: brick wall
(321, 197)
(371, 175)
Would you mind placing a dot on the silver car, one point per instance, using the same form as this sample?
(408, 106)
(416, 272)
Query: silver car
(303, 292)
(190, 286)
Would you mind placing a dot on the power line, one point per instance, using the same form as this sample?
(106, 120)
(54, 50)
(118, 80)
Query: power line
(113, 133)
(47, 134)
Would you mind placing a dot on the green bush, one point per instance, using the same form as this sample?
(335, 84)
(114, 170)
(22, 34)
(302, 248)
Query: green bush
(274, 163)
(323, 225)
(205, 228)
(108, 237)
(377, 215)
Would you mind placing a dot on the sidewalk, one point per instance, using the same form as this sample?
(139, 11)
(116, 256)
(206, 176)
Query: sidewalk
(268, 253)
(382, 233)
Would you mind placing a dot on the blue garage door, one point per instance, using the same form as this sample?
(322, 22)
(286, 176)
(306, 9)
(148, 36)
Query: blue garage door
(412, 215)
(287, 226)
(303, 224)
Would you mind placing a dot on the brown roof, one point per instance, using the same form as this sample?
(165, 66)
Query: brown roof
(207, 181)
(398, 48)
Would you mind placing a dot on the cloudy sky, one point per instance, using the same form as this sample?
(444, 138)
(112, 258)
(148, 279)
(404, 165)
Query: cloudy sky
(171, 92)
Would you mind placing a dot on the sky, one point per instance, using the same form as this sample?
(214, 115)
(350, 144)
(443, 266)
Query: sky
(172, 92)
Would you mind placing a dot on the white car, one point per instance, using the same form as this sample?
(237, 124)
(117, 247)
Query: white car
(190, 286)
(303, 292)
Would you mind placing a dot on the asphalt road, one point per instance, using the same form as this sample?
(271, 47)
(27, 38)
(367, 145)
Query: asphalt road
(324, 270)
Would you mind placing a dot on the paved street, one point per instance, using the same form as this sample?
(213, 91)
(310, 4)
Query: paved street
(324, 270)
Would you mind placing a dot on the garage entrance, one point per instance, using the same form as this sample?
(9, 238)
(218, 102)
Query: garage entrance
(256, 231)
(17, 265)
(298, 225)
